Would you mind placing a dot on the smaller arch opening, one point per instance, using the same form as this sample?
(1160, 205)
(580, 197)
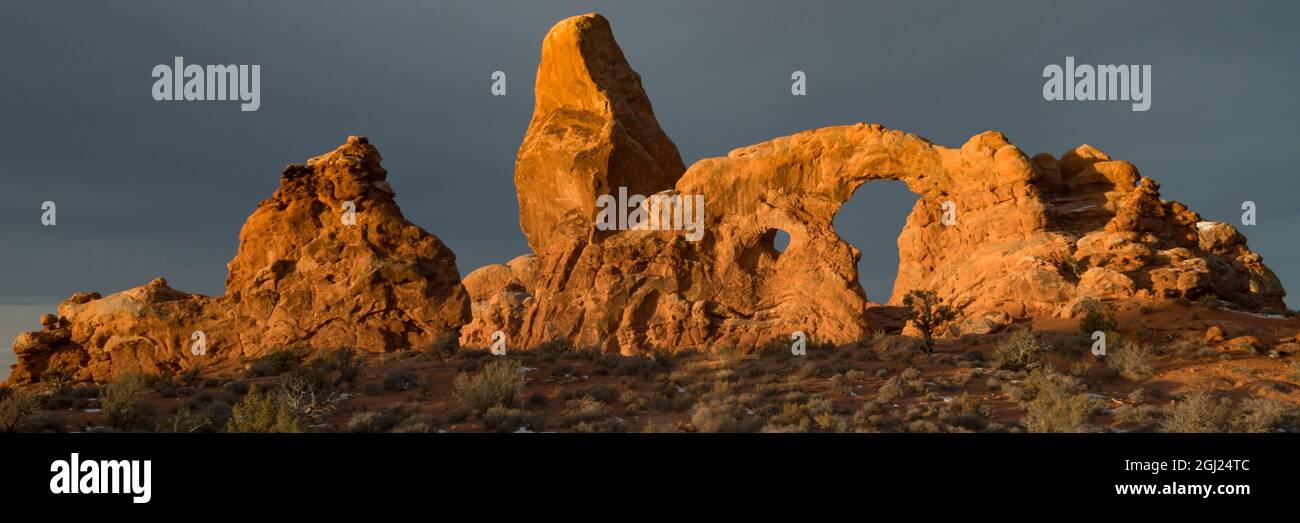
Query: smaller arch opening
(780, 240)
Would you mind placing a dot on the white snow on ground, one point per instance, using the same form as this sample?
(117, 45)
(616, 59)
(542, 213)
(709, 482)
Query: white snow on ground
(1259, 315)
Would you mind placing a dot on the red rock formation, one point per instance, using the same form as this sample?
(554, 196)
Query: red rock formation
(302, 276)
(1030, 236)
(592, 131)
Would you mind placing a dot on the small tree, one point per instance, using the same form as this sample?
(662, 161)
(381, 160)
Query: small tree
(927, 312)
(261, 412)
(1097, 317)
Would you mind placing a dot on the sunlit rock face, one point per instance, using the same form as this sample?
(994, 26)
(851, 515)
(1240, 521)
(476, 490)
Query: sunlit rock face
(994, 231)
(327, 261)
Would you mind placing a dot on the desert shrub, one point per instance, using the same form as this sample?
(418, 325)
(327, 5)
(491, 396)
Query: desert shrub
(927, 312)
(191, 376)
(892, 389)
(123, 402)
(672, 398)
(629, 365)
(867, 420)
(587, 414)
(18, 412)
(776, 348)
(804, 414)
(187, 420)
(403, 417)
(1199, 412)
(633, 402)
(867, 339)
(724, 413)
(1081, 368)
(556, 348)
(1055, 403)
(499, 384)
(237, 387)
(277, 362)
(59, 375)
(1145, 417)
(344, 361)
(307, 398)
(1266, 415)
(1097, 317)
(400, 380)
(61, 399)
(825, 418)
(535, 400)
(1131, 359)
(910, 374)
(419, 422)
(259, 412)
(164, 384)
(1207, 412)
(202, 412)
(444, 348)
(807, 370)
(602, 393)
(372, 421)
(504, 419)
(966, 412)
(841, 384)
(1019, 352)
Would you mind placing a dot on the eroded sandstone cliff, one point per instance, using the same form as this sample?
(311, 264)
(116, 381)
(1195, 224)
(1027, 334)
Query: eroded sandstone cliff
(307, 273)
(1028, 236)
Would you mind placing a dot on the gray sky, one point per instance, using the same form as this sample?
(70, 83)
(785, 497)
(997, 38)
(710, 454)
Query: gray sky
(147, 189)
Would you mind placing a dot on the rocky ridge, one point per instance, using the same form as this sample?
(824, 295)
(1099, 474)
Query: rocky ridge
(1029, 237)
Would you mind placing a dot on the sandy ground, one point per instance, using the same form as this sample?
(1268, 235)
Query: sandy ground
(885, 383)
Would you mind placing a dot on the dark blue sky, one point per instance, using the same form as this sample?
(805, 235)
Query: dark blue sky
(148, 189)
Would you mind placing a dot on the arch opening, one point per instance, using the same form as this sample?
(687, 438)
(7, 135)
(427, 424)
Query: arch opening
(871, 221)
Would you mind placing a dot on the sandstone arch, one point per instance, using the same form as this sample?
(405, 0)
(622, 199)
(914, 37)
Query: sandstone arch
(1031, 236)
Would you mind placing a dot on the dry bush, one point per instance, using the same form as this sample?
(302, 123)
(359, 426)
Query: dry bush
(1018, 352)
(123, 403)
(499, 384)
(724, 412)
(1207, 412)
(260, 412)
(20, 412)
(307, 399)
(1056, 403)
(1199, 412)
(1131, 359)
(1097, 317)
